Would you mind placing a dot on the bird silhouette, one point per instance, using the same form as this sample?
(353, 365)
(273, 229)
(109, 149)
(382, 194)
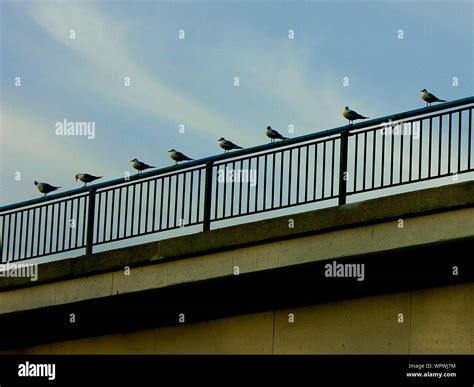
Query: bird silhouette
(429, 98)
(86, 178)
(227, 145)
(140, 166)
(273, 134)
(352, 115)
(178, 156)
(45, 188)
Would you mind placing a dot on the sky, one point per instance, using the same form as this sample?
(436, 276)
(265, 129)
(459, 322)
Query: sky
(191, 81)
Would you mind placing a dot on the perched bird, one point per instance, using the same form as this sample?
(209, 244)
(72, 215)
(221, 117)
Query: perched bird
(45, 188)
(178, 156)
(140, 166)
(273, 134)
(352, 115)
(429, 98)
(86, 178)
(227, 145)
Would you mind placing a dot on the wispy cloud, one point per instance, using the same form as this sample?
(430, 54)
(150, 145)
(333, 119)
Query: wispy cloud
(30, 147)
(285, 75)
(102, 43)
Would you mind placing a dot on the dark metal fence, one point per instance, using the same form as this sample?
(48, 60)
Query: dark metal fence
(414, 146)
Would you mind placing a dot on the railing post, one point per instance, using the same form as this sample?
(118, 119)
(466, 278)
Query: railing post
(208, 196)
(343, 167)
(90, 222)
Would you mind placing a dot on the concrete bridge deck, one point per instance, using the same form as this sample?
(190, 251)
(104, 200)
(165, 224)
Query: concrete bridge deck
(262, 287)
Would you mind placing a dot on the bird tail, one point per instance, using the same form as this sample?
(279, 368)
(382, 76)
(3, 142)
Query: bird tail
(238, 147)
(442, 100)
(284, 138)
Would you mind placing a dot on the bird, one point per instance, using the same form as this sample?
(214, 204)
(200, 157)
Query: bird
(45, 188)
(140, 166)
(227, 145)
(429, 98)
(273, 134)
(352, 115)
(178, 156)
(86, 178)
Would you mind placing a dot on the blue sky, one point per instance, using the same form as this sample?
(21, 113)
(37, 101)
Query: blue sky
(282, 81)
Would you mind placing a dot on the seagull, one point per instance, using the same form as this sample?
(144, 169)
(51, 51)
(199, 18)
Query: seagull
(178, 156)
(140, 166)
(45, 188)
(273, 134)
(429, 98)
(86, 178)
(227, 145)
(352, 115)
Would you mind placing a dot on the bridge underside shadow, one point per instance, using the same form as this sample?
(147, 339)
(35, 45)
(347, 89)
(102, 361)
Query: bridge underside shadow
(232, 290)
(428, 266)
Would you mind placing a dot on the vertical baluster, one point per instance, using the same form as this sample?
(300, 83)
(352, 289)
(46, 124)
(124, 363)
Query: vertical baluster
(298, 175)
(306, 174)
(106, 206)
(208, 196)
(232, 185)
(449, 142)
(374, 145)
(315, 170)
(112, 212)
(198, 207)
(240, 186)
(190, 219)
(90, 220)
(324, 170)
(66, 204)
(459, 141)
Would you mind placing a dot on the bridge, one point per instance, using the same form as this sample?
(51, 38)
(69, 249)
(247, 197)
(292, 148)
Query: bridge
(385, 267)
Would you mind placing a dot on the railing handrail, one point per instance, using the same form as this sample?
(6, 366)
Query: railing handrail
(256, 149)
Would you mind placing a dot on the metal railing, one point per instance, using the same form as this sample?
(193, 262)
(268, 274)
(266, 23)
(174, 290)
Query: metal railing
(429, 143)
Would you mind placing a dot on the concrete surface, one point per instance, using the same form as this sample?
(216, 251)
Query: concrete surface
(435, 321)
